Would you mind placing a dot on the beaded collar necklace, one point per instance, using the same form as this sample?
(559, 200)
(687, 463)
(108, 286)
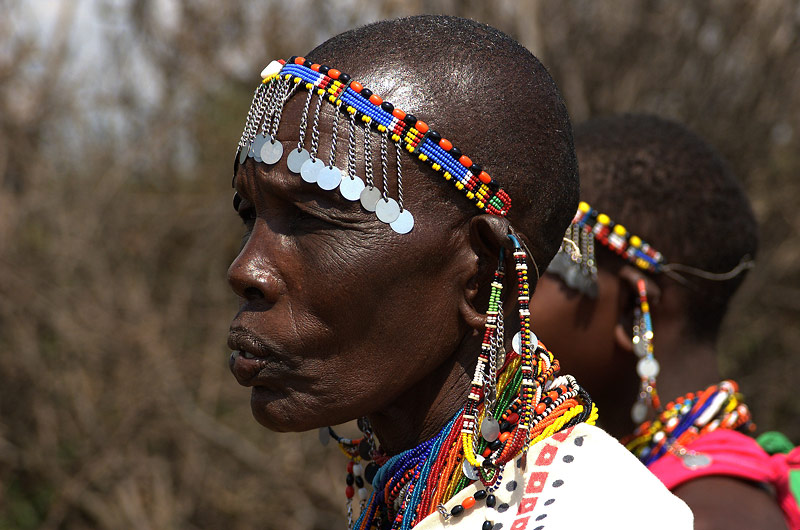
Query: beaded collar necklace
(685, 419)
(365, 109)
(516, 400)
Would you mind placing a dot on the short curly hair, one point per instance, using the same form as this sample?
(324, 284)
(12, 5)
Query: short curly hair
(667, 185)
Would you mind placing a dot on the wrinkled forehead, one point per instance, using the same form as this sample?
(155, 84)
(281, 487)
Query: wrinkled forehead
(333, 132)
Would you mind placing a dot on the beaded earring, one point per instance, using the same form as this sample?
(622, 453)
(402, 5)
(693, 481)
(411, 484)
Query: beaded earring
(647, 367)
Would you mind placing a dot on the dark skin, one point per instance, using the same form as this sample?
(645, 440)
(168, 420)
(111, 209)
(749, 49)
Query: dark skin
(346, 318)
(592, 338)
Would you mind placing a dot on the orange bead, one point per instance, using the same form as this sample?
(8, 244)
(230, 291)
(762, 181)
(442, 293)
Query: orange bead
(315, 67)
(553, 395)
(540, 408)
(465, 161)
(333, 73)
(468, 503)
(513, 418)
(486, 452)
(445, 144)
(484, 177)
(375, 99)
(421, 126)
(505, 436)
(299, 60)
(399, 114)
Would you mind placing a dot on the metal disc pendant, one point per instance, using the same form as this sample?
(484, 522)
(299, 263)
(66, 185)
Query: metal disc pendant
(696, 460)
(515, 342)
(370, 197)
(647, 367)
(469, 471)
(387, 210)
(258, 143)
(243, 155)
(351, 188)
(329, 177)
(404, 222)
(272, 151)
(639, 347)
(639, 412)
(310, 169)
(296, 159)
(490, 429)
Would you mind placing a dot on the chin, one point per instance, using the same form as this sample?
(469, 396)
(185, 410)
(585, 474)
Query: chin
(285, 413)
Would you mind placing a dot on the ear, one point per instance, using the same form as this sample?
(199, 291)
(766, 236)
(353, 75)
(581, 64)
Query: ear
(487, 234)
(629, 277)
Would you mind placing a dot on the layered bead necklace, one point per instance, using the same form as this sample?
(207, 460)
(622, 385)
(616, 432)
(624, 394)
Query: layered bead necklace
(515, 400)
(685, 419)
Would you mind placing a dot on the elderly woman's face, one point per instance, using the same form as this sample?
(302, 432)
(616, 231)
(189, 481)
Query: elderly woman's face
(339, 315)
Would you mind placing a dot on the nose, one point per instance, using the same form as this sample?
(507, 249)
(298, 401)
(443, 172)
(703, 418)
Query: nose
(252, 276)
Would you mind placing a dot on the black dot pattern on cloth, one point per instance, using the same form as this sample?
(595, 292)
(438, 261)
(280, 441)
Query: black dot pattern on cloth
(539, 518)
(511, 486)
(568, 458)
(503, 507)
(558, 483)
(498, 526)
(548, 502)
(579, 441)
(539, 527)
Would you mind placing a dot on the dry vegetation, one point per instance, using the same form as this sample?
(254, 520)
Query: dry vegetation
(116, 406)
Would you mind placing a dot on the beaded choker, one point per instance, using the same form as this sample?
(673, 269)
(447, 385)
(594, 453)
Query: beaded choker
(685, 419)
(366, 110)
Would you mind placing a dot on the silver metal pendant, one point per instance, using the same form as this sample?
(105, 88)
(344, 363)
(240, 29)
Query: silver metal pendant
(516, 342)
(370, 197)
(694, 460)
(310, 169)
(387, 210)
(329, 177)
(258, 143)
(271, 151)
(469, 471)
(404, 222)
(296, 159)
(351, 188)
(242, 155)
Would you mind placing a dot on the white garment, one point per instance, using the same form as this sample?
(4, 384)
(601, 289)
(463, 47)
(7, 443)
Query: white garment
(580, 478)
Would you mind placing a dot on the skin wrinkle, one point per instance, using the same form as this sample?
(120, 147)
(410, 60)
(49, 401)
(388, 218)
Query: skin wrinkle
(394, 329)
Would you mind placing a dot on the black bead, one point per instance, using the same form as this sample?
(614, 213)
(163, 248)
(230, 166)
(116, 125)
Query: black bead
(491, 500)
(410, 119)
(476, 169)
(388, 107)
(359, 482)
(547, 400)
(364, 450)
(349, 479)
(324, 69)
(495, 445)
(480, 495)
(487, 463)
(493, 185)
(487, 525)
(365, 93)
(505, 426)
(435, 136)
(237, 200)
(457, 510)
(370, 471)
(307, 63)
(344, 78)
(291, 59)
(455, 152)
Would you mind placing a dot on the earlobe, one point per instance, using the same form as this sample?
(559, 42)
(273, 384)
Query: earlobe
(623, 339)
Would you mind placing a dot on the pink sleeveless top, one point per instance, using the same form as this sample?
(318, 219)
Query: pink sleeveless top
(734, 454)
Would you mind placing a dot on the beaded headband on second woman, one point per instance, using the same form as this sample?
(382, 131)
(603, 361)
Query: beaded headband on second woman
(368, 110)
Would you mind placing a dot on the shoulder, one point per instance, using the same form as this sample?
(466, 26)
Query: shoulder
(581, 477)
(731, 503)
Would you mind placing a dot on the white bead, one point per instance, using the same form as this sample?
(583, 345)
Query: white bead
(357, 469)
(363, 493)
(639, 412)
(272, 68)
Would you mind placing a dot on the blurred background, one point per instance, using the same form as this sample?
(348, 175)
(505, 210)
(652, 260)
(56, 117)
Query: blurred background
(118, 125)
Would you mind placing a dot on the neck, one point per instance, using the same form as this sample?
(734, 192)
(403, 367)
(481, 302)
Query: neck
(424, 409)
(687, 364)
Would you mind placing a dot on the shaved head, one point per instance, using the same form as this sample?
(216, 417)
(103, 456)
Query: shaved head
(487, 94)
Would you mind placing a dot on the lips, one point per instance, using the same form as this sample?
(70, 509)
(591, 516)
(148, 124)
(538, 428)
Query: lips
(251, 357)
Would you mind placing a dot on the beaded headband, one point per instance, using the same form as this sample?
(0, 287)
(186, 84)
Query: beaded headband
(368, 110)
(575, 261)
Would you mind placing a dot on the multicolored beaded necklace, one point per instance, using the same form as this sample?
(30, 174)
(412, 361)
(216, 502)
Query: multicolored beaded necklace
(685, 419)
(516, 400)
